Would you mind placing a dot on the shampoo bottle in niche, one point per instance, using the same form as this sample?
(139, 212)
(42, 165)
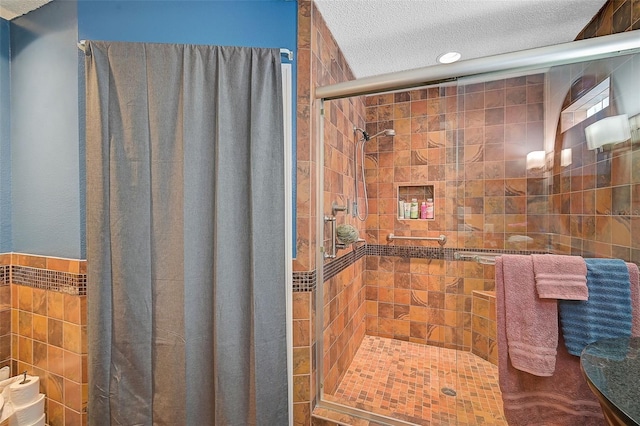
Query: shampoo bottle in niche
(429, 208)
(407, 210)
(414, 208)
(400, 209)
(423, 210)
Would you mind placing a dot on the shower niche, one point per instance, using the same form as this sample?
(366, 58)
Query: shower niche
(415, 202)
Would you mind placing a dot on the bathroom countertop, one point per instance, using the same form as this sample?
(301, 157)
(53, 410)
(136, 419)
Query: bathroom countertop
(612, 369)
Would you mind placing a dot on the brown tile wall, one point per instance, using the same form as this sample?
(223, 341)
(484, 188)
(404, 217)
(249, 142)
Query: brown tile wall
(469, 142)
(48, 335)
(343, 298)
(483, 326)
(616, 16)
(596, 200)
(303, 356)
(344, 322)
(423, 300)
(306, 155)
(320, 62)
(304, 365)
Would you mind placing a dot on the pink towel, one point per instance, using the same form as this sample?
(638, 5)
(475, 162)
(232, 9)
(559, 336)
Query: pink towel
(563, 399)
(532, 323)
(560, 277)
(634, 279)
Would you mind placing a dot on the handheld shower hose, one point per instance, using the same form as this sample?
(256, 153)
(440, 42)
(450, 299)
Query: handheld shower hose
(365, 138)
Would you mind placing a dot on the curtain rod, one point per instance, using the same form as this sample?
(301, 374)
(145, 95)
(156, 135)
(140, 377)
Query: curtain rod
(288, 53)
(540, 57)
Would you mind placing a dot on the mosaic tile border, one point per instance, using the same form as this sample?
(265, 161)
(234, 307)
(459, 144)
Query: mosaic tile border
(338, 265)
(307, 281)
(63, 282)
(304, 281)
(5, 275)
(406, 251)
(417, 252)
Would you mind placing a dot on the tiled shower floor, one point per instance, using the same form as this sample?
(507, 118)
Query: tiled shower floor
(404, 380)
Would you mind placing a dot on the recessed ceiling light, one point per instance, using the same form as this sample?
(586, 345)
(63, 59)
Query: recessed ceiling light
(449, 57)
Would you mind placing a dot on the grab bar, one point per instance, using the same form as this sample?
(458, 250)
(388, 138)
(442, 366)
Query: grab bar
(442, 239)
(335, 245)
(482, 258)
(331, 255)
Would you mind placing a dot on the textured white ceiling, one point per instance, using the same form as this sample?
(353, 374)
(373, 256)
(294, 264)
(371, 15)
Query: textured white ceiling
(381, 36)
(10, 9)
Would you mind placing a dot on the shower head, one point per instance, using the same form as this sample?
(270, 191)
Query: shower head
(366, 137)
(387, 132)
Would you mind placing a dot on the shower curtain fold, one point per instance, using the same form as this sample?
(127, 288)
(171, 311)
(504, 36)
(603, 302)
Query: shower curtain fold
(185, 235)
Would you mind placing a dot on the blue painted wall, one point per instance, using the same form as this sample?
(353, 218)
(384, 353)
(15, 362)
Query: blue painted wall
(262, 23)
(47, 142)
(5, 141)
(45, 187)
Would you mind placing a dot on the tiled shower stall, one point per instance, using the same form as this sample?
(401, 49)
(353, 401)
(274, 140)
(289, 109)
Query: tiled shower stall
(467, 143)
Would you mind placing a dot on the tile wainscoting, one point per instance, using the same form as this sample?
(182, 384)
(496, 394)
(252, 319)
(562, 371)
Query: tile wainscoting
(43, 328)
(307, 281)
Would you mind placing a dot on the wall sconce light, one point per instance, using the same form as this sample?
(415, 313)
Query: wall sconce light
(535, 160)
(609, 130)
(634, 123)
(565, 157)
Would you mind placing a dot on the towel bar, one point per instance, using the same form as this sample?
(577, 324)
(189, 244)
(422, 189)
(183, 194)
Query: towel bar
(482, 258)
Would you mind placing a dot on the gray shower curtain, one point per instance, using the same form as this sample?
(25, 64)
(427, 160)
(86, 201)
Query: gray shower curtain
(185, 235)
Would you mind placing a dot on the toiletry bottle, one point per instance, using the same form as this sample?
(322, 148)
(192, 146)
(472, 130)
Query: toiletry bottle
(423, 210)
(407, 210)
(400, 209)
(429, 209)
(414, 208)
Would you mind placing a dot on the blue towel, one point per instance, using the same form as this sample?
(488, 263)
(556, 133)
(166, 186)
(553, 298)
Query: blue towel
(606, 314)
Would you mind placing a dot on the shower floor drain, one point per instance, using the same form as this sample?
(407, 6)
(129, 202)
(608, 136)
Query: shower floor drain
(448, 391)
